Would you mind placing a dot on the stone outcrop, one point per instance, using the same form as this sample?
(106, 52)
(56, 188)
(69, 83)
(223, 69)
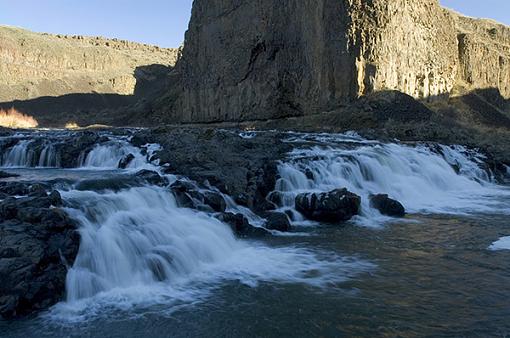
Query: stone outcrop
(255, 60)
(34, 65)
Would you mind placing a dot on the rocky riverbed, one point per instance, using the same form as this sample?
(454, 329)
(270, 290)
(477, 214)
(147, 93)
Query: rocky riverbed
(258, 184)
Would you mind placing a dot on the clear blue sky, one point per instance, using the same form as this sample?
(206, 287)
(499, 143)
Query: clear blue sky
(160, 22)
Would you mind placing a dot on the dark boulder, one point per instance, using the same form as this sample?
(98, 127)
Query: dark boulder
(240, 225)
(152, 177)
(125, 161)
(334, 206)
(183, 199)
(215, 200)
(277, 221)
(387, 206)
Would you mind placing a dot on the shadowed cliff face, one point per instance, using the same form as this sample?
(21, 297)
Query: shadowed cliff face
(262, 59)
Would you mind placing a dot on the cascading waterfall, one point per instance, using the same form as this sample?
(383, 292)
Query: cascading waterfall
(20, 155)
(138, 246)
(108, 156)
(47, 153)
(423, 180)
(49, 157)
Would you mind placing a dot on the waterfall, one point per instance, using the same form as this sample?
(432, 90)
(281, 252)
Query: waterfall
(18, 156)
(45, 150)
(108, 156)
(137, 246)
(419, 177)
(49, 157)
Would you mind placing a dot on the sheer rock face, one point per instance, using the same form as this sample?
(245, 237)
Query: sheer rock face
(264, 59)
(405, 45)
(484, 54)
(34, 64)
(251, 60)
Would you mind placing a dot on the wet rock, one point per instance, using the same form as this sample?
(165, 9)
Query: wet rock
(112, 183)
(240, 225)
(215, 201)
(276, 197)
(125, 161)
(183, 186)
(55, 198)
(183, 199)
(38, 242)
(309, 174)
(387, 206)
(37, 190)
(241, 168)
(277, 221)
(14, 188)
(152, 177)
(4, 174)
(334, 206)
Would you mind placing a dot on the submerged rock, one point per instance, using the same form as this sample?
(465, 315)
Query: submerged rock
(37, 243)
(334, 206)
(387, 206)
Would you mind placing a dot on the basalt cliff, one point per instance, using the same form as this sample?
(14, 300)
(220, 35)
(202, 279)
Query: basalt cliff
(256, 60)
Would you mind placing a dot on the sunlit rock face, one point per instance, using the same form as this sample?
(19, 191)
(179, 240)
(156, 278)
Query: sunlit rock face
(249, 60)
(405, 45)
(34, 64)
(484, 53)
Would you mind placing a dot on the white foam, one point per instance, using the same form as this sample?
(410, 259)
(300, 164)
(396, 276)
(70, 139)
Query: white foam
(139, 249)
(502, 244)
(422, 180)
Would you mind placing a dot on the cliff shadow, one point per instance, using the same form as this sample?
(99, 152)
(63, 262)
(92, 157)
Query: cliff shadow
(97, 108)
(479, 107)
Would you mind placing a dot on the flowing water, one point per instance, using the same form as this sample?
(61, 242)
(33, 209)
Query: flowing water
(148, 268)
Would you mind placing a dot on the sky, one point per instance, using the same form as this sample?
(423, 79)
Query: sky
(158, 22)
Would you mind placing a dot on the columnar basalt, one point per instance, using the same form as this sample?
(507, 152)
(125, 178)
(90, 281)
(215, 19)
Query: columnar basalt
(253, 60)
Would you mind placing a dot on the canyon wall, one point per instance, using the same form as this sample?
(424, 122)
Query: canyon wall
(34, 64)
(262, 59)
(484, 54)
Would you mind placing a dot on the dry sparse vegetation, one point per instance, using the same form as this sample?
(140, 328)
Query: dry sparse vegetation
(12, 118)
(72, 125)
